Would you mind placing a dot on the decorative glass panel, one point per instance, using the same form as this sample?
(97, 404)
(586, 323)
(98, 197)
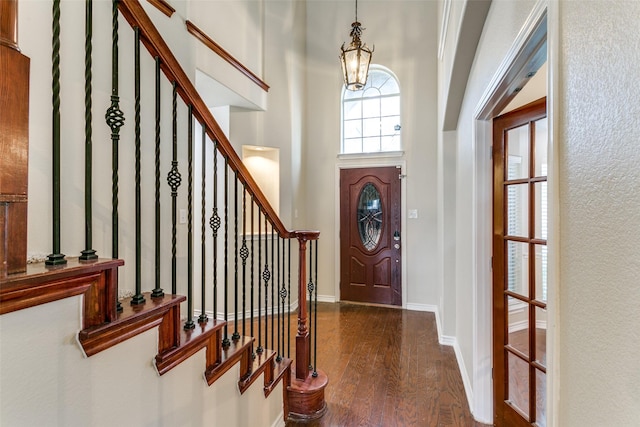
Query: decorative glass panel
(369, 216)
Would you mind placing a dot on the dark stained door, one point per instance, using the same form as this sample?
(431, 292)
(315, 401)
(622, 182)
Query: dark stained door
(520, 266)
(370, 240)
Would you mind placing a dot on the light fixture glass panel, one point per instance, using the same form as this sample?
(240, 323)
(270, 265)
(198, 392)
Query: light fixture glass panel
(390, 106)
(518, 210)
(518, 153)
(371, 145)
(352, 129)
(371, 127)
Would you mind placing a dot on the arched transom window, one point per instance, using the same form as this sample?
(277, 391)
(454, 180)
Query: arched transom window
(371, 116)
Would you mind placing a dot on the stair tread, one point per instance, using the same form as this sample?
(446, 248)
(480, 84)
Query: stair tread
(260, 362)
(229, 356)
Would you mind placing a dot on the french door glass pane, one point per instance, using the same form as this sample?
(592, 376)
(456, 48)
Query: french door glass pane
(541, 145)
(518, 267)
(518, 153)
(518, 324)
(518, 210)
(540, 211)
(518, 383)
(541, 336)
(541, 263)
(541, 398)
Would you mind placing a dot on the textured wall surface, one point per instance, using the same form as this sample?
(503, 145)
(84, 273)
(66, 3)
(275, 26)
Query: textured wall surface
(599, 213)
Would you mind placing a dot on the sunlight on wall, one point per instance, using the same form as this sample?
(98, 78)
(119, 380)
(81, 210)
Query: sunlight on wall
(264, 165)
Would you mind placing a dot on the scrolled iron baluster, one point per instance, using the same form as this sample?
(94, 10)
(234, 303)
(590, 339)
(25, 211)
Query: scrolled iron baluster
(174, 179)
(259, 349)
(244, 254)
(273, 277)
(266, 275)
(236, 335)
(289, 298)
(310, 288)
(252, 269)
(214, 223)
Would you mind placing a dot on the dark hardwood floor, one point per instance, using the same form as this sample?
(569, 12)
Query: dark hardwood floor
(386, 369)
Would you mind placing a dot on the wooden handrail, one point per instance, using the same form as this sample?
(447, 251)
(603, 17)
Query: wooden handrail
(133, 12)
(207, 41)
(163, 7)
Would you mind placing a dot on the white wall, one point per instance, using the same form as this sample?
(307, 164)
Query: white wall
(404, 35)
(599, 213)
(46, 381)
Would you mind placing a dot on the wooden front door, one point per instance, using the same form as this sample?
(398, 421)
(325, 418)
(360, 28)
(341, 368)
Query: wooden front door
(370, 240)
(520, 266)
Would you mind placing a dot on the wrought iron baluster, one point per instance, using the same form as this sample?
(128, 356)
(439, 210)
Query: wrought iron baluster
(259, 349)
(114, 118)
(190, 324)
(88, 253)
(279, 356)
(174, 179)
(266, 275)
(273, 285)
(315, 314)
(214, 223)
(157, 290)
(225, 340)
(244, 254)
(310, 288)
(138, 298)
(203, 198)
(55, 258)
(289, 299)
(252, 267)
(236, 335)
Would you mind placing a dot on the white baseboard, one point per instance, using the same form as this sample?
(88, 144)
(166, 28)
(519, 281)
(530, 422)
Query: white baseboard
(326, 298)
(463, 373)
(279, 421)
(422, 307)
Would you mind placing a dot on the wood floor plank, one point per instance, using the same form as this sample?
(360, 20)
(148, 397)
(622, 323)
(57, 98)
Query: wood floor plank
(386, 368)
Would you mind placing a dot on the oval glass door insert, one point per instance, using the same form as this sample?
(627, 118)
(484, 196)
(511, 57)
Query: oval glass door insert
(369, 216)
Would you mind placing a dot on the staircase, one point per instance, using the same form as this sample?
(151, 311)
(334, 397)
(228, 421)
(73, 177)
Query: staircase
(244, 303)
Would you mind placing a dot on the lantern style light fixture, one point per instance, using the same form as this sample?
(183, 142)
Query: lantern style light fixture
(355, 59)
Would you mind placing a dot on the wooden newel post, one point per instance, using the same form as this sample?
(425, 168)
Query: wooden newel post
(302, 339)
(14, 143)
(305, 395)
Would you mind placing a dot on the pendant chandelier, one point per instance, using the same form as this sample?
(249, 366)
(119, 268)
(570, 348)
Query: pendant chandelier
(355, 59)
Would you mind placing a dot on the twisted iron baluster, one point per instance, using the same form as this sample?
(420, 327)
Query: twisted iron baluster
(55, 258)
(203, 318)
(174, 179)
(157, 290)
(190, 324)
(138, 298)
(273, 277)
(289, 298)
(88, 253)
(114, 118)
(279, 357)
(214, 223)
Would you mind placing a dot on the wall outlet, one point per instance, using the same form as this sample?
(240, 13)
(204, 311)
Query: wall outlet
(413, 213)
(183, 216)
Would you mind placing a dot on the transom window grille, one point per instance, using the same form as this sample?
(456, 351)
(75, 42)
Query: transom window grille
(371, 116)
